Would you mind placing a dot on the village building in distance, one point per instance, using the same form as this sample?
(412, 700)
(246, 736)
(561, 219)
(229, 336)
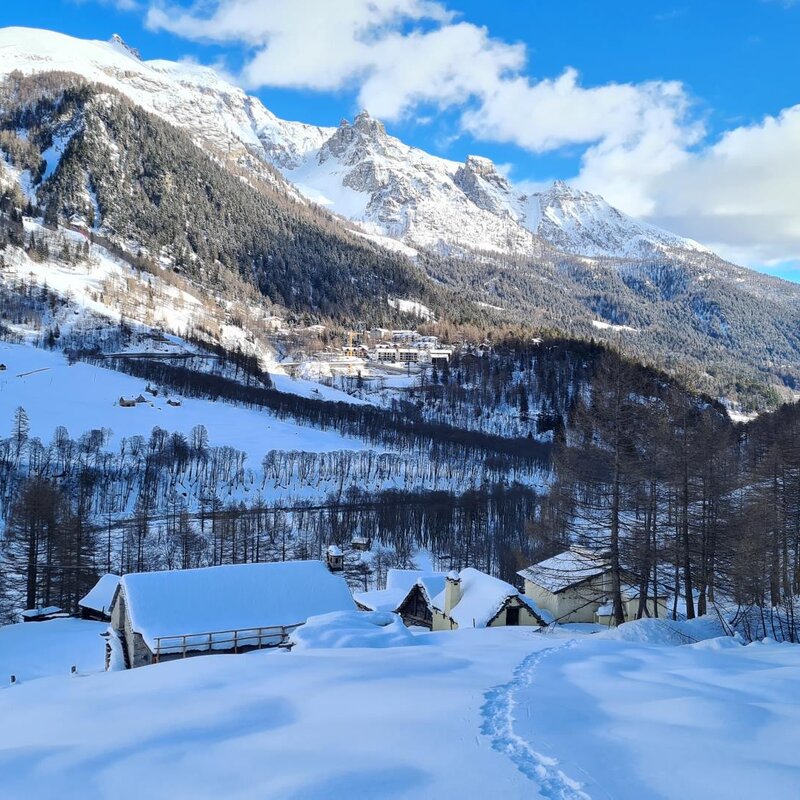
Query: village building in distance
(467, 599)
(575, 586)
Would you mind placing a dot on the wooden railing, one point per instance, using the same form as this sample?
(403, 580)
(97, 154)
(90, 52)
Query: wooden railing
(233, 640)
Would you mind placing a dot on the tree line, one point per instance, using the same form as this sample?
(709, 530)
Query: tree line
(684, 502)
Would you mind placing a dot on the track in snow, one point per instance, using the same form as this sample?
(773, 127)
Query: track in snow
(498, 725)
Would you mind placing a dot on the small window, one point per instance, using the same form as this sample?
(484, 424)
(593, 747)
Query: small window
(512, 615)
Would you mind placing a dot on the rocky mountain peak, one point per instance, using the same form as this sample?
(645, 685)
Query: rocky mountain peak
(351, 143)
(480, 181)
(486, 169)
(121, 44)
(561, 190)
(369, 125)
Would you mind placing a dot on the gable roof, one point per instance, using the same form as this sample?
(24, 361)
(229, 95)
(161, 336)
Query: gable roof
(380, 599)
(101, 595)
(231, 597)
(565, 570)
(432, 586)
(482, 598)
(429, 583)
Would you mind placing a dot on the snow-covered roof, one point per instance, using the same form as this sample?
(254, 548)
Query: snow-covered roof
(32, 613)
(380, 599)
(431, 584)
(482, 597)
(566, 569)
(399, 582)
(405, 578)
(231, 597)
(101, 594)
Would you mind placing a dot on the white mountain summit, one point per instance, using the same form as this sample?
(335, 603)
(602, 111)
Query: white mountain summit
(356, 169)
(361, 172)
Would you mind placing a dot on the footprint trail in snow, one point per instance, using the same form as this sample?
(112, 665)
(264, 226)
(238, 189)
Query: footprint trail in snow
(498, 725)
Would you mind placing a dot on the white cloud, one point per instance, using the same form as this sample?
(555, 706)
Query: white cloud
(402, 53)
(642, 143)
(739, 193)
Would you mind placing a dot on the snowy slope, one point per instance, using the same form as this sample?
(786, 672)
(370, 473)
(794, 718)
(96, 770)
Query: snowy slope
(476, 713)
(196, 98)
(102, 289)
(88, 398)
(31, 650)
(356, 169)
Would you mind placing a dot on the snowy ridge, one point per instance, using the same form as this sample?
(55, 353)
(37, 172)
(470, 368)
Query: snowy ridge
(356, 169)
(425, 201)
(580, 222)
(216, 113)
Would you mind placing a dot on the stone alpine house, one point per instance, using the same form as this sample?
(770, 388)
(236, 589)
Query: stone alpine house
(160, 616)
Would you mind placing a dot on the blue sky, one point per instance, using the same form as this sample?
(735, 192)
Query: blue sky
(680, 113)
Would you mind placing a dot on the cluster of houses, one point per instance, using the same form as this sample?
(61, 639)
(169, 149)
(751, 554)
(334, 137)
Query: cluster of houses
(388, 346)
(158, 616)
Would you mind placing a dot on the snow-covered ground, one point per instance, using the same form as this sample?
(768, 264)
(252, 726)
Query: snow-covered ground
(82, 397)
(31, 650)
(607, 326)
(477, 713)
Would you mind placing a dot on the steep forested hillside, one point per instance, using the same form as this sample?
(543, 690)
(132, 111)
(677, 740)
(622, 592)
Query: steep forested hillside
(730, 331)
(137, 180)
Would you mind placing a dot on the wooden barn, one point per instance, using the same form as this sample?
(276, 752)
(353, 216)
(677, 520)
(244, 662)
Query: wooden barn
(416, 608)
(159, 616)
(399, 583)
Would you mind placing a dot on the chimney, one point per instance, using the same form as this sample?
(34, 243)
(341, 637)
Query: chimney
(452, 592)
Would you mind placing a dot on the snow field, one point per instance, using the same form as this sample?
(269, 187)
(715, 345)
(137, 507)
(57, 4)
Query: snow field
(634, 714)
(318, 723)
(477, 713)
(83, 397)
(32, 650)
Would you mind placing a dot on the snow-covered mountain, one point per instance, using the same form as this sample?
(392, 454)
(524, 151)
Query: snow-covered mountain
(356, 169)
(560, 259)
(217, 114)
(580, 222)
(403, 192)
